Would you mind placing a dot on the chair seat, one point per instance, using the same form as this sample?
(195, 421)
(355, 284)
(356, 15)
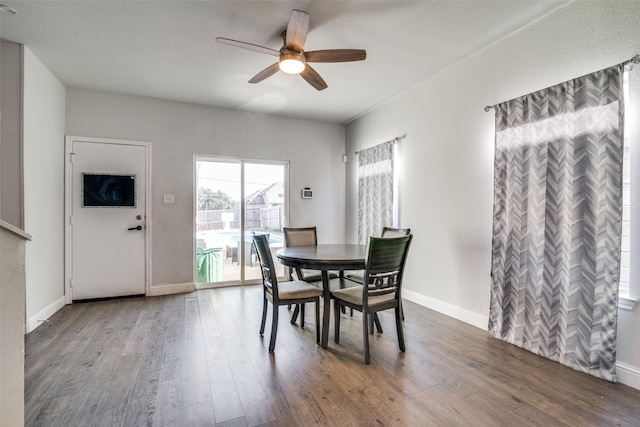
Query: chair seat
(297, 289)
(357, 277)
(354, 296)
(336, 284)
(315, 276)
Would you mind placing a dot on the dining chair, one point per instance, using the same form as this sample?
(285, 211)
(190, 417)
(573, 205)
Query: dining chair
(383, 272)
(284, 293)
(303, 236)
(357, 277)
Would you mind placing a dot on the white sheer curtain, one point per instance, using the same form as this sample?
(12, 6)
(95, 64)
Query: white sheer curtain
(375, 190)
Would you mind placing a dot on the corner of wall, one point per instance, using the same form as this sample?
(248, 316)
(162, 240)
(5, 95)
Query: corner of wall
(43, 129)
(43, 315)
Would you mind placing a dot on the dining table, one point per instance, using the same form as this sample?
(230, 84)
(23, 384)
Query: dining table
(325, 258)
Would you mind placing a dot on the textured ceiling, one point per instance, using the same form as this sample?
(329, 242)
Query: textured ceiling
(167, 49)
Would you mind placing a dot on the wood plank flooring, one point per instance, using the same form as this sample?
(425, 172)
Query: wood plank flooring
(197, 360)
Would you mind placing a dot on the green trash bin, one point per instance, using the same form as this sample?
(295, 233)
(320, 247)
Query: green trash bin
(209, 265)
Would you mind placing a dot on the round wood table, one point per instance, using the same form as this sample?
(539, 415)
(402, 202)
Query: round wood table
(335, 257)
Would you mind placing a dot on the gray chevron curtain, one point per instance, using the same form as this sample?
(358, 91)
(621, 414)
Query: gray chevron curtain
(557, 222)
(375, 190)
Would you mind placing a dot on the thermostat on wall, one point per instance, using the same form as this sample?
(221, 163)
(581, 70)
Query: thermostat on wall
(307, 193)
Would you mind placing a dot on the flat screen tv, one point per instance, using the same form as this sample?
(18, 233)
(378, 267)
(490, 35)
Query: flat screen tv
(105, 190)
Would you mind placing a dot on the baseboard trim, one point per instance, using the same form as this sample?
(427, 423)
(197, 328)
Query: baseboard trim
(628, 375)
(450, 310)
(170, 289)
(44, 314)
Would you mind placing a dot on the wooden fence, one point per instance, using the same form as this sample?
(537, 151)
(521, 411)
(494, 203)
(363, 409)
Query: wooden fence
(268, 218)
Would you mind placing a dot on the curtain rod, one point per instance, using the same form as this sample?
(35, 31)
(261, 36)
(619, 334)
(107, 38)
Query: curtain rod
(394, 140)
(629, 64)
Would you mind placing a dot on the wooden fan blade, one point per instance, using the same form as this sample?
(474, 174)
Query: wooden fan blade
(267, 72)
(248, 46)
(313, 78)
(336, 55)
(297, 30)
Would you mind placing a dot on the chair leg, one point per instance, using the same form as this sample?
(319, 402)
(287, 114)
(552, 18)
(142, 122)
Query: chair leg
(376, 321)
(294, 316)
(336, 326)
(318, 320)
(365, 336)
(399, 328)
(401, 310)
(370, 319)
(302, 316)
(264, 316)
(274, 328)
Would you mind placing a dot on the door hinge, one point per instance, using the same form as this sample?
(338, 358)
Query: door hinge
(71, 282)
(71, 157)
(71, 220)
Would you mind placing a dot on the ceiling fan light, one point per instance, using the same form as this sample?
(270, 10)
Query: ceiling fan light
(291, 66)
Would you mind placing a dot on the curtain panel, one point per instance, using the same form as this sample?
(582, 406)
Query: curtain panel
(557, 222)
(375, 190)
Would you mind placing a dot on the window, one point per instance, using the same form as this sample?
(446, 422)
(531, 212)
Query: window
(625, 247)
(629, 286)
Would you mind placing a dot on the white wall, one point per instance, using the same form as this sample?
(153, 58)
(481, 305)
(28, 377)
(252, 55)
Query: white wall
(179, 131)
(447, 175)
(11, 148)
(43, 139)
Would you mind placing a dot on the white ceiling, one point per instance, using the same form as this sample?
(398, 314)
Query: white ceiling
(166, 49)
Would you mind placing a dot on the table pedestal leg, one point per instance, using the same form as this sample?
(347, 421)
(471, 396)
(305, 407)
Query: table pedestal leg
(326, 314)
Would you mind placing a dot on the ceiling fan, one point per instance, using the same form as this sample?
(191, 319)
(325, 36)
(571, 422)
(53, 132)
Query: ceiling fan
(292, 58)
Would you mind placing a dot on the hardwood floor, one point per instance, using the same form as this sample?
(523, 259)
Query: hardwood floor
(197, 359)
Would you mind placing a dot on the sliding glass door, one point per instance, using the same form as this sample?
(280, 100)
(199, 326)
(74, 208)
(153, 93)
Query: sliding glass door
(235, 199)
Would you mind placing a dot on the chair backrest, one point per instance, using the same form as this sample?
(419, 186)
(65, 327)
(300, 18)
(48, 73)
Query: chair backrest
(253, 233)
(303, 236)
(395, 232)
(269, 274)
(253, 245)
(386, 257)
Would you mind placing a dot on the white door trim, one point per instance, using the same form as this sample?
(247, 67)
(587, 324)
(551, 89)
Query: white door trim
(69, 140)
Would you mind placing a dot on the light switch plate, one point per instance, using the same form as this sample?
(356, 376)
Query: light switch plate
(168, 198)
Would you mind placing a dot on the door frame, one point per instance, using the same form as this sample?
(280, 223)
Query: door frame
(68, 194)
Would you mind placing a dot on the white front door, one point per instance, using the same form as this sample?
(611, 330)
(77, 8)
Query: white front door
(107, 218)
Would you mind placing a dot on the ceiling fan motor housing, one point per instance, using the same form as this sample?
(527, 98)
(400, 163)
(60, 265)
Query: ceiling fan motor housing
(292, 62)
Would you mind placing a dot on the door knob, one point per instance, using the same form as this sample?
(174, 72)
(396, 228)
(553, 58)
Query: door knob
(138, 228)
